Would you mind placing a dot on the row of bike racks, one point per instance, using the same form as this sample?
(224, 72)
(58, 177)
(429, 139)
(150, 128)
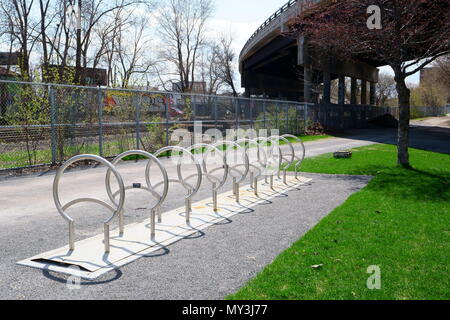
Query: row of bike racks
(266, 165)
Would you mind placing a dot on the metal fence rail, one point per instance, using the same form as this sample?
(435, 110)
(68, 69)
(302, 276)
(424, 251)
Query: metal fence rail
(49, 123)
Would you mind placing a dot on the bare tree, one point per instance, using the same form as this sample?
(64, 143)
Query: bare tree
(385, 89)
(91, 13)
(209, 70)
(182, 26)
(132, 52)
(18, 23)
(226, 63)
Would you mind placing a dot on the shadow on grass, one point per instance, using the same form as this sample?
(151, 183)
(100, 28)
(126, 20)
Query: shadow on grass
(414, 184)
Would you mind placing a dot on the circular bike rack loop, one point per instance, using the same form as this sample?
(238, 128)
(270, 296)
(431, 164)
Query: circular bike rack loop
(255, 171)
(191, 190)
(159, 197)
(62, 209)
(268, 155)
(299, 159)
(241, 175)
(215, 181)
(282, 157)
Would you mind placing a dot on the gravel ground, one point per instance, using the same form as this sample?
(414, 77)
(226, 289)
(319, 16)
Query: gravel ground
(210, 265)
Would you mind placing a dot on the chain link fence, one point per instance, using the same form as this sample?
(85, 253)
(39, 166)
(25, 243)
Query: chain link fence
(44, 124)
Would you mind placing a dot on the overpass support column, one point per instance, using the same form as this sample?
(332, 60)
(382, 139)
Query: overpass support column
(363, 92)
(372, 93)
(341, 95)
(326, 87)
(354, 84)
(307, 76)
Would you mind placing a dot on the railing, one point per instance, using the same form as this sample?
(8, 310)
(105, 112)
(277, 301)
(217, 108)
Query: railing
(278, 13)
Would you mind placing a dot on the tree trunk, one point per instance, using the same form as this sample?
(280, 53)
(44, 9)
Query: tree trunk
(404, 118)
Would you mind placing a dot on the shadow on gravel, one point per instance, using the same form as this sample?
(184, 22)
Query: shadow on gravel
(112, 276)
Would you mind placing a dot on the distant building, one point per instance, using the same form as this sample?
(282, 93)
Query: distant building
(197, 87)
(6, 74)
(92, 76)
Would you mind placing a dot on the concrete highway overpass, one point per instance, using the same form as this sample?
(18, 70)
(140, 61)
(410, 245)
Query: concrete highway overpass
(274, 65)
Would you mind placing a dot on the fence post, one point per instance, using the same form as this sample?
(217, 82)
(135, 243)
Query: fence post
(194, 108)
(252, 104)
(138, 121)
(305, 108)
(277, 125)
(287, 130)
(236, 110)
(51, 92)
(167, 120)
(215, 113)
(265, 114)
(100, 121)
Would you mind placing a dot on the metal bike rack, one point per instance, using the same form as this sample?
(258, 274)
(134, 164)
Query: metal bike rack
(95, 259)
(62, 209)
(159, 197)
(296, 157)
(272, 144)
(191, 190)
(282, 157)
(245, 163)
(216, 182)
(254, 170)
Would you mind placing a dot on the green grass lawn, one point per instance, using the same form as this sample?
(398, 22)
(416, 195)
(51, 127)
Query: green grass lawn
(399, 222)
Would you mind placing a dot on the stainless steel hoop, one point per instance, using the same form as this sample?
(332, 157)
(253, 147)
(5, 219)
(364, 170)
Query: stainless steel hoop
(216, 182)
(282, 157)
(191, 190)
(231, 169)
(261, 140)
(257, 170)
(159, 197)
(61, 209)
(299, 159)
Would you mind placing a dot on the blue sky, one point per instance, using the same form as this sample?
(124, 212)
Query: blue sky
(242, 17)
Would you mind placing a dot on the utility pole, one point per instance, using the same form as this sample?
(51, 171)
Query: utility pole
(78, 53)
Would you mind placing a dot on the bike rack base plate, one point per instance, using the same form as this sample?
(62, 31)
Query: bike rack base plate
(92, 262)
